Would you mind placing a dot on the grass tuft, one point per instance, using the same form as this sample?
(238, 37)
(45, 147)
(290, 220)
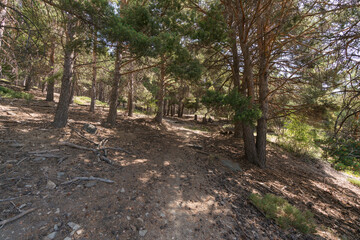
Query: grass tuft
(355, 182)
(284, 214)
(82, 100)
(9, 93)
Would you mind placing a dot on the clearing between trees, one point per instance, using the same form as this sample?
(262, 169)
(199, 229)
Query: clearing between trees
(178, 180)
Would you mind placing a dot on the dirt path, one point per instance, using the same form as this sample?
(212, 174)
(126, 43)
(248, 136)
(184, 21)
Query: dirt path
(172, 185)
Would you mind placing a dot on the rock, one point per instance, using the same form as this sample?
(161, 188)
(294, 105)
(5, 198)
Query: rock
(50, 184)
(230, 164)
(199, 147)
(57, 211)
(142, 232)
(67, 238)
(74, 226)
(60, 174)
(56, 227)
(16, 145)
(39, 159)
(90, 184)
(90, 128)
(162, 215)
(122, 190)
(51, 235)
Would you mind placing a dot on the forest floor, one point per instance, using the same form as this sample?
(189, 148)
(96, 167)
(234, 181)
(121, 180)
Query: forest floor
(179, 180)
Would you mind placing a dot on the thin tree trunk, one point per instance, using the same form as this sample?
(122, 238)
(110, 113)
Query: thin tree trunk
(160, 100)
(166, 101)
(130, 102)
(114, 94)
(62, 110)
(236, 79)
(93, 83)
(73, 83)
(2, 27)
(101, 91)
(263, 92)
(51, 82)
(28, 80)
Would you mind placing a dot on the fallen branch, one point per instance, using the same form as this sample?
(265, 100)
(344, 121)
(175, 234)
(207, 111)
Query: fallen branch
(88, 179)
(8, 199)
(82, 136)
(44, 151)
(62, 159)
(6, 221)
(78, 146)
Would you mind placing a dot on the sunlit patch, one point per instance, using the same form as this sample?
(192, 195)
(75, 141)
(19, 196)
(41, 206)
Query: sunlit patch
(166, 163)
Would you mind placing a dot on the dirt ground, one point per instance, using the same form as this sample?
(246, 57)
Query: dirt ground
(173, 181)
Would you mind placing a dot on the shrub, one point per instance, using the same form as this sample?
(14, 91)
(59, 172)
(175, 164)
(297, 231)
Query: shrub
(284, 214)
(9, 93)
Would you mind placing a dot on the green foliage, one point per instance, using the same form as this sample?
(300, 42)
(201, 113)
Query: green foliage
(284, 214)
(9, 93)
(355, 182)
(242, 108)
(345, 154)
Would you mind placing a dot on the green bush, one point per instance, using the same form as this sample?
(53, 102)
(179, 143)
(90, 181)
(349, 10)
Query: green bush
(345, 154)
(284, 214)
(9, 93)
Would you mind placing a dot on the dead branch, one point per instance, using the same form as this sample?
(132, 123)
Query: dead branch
(62, 159)
(6, 221)
(87, 179)
(44, 151)
(8, 199)
(78, 146)
(82, 136)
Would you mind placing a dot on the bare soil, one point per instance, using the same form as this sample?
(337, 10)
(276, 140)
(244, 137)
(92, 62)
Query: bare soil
(170, 183)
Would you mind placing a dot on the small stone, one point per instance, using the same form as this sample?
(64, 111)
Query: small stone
(80, 231)
(89, 128)
(146, 214)
(162, 215)
(128, 218)
(142, 232)
(90, 184)
(51, 235)
(67, 238)
(74, 226)
(60, 174)
(39, 159)
(57, 211)
(50, 185)
(122, 190)
(28, 186)
(56, 227)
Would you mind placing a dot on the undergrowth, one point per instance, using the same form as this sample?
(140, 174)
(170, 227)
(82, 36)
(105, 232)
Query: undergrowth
(82, 100)
(355, 182)
(284, 214)
(9, 93)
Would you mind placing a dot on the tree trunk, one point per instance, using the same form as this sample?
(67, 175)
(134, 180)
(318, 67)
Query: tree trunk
(101, 92)
(51, 82)
(248, 85)
(160, 97)
(236, 79)
(93, 83)
(62, 110)
(2, 27)
(130, 102)
(73, 84)
(114, 94)
(165, 106)
(263, 92)
(28, 80)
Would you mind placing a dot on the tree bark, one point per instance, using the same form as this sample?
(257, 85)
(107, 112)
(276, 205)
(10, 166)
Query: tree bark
(28, 80)
(93, 83)
(248, 90)
(130, 103)
(263, 92)
(101, 92)
(51, 82)
(114, 94)
(161, 93)
(62, 110)
(2, 27)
